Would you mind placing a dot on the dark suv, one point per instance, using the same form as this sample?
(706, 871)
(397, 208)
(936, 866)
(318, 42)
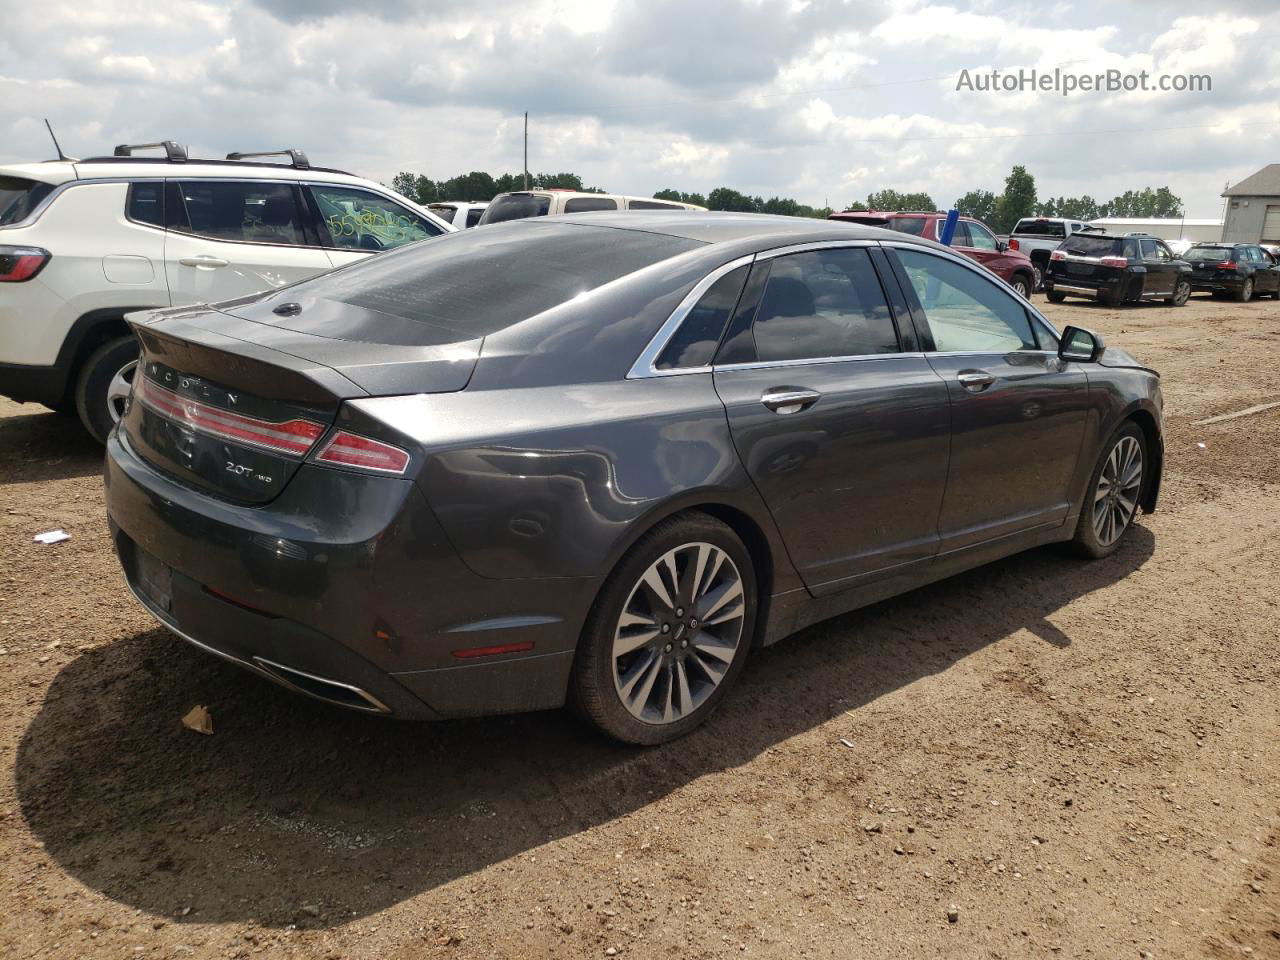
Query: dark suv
(973, 238)
(1238, 269)
(1117, 270)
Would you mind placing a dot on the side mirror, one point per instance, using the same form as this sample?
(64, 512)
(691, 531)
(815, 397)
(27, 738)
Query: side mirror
(1001, 246)
(1080, 345)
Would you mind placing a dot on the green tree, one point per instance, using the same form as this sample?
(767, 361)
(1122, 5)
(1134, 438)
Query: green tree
(890, 200)
(979, 204)
(475, 185)
(426, 190)
(680, 197)
(405, 184)
(725, 198)
(1017, 201)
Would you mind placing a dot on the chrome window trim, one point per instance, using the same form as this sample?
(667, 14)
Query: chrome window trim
(645, 365)
(806, 362)
(812, 246)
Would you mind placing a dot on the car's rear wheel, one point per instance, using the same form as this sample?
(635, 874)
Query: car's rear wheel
(1056, 296)
(1037, 280)
(1181, 293)
(103, 385)
(1114, 296)
(669, 632)
(1245, 293)
(1113, 494)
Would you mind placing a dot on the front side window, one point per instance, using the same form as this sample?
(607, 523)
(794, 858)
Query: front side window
(360, 220)
(965, 310)
(249, 212)
(980, 237)
(587, 204)
(825, 303)
(1162, 252)
(694, 344)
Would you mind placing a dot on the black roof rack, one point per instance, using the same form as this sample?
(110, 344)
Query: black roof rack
(297, 159)
(174, 152)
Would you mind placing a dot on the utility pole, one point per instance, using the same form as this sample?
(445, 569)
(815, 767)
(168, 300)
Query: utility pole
(526, 149)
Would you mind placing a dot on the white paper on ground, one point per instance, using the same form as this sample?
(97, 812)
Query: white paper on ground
(52, 536)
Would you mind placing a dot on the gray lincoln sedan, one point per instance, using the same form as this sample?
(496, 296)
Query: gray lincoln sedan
(600, 459)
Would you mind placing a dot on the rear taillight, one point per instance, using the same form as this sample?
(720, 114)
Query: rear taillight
(21, 263)
(1114, 261)
(1058, 255)
(352, 450)
(290, 437)
(1226, 265)
(1013, 244)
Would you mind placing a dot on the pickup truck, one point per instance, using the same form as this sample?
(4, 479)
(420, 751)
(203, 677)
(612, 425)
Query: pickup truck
(1038, 237)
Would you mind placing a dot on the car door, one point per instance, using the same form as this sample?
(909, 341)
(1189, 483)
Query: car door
(1017, 412)
(354, 223)
(232, 238)
(1159, 278)
(840, 421)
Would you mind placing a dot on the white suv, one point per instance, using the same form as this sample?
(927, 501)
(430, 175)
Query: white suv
(83, 242)
(552, 201)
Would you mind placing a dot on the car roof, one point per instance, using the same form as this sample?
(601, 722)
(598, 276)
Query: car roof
(131, 168)
(723, 227)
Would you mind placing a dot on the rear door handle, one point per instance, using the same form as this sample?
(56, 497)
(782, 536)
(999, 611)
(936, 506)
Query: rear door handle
(787, 400)
(975, 381)
(203, 261)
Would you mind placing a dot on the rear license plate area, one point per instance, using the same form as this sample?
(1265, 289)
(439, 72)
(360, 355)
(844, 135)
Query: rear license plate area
(155, 580)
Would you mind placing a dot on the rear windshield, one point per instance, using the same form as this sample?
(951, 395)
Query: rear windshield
(912, 225)
(18, 197)
(1092, 246)
(1041, 228)
(516, 206)
(1208, 253)
(473, 283)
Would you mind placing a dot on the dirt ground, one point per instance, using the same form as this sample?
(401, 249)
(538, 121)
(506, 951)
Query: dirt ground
(1082, 759)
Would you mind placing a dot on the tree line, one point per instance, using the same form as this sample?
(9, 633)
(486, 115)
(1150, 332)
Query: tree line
(999, 211)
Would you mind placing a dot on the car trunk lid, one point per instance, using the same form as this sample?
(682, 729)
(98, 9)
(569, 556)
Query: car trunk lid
(234, 407)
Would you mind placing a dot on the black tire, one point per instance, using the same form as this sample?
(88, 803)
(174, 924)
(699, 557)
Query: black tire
(1181, 294)
(1022, 286)
(1245, 293)
(1056, 296)
(1037, 280)
(95, 378)
(1086, 541)
(1113, 297)
(593, 690)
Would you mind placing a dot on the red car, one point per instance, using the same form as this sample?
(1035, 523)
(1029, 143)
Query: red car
(973, 238)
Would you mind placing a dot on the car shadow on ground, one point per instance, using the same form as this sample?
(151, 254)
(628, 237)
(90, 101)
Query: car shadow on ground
(43, 445)
(292, 804)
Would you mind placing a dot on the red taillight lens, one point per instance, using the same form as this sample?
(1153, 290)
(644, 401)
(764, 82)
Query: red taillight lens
(290, 437)
(21, 263)
(1013, 244)
(352, 450)
(1226, 265)
(1058, 255)
(1114, 261)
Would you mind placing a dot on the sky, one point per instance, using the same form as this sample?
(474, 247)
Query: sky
(824, 101)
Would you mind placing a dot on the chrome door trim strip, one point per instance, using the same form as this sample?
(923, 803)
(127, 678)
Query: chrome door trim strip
(768, 364)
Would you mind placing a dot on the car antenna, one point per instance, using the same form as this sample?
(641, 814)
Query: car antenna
(56, 146)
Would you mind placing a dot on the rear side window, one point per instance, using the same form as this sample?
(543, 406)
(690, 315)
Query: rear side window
(516, 206)
(19, 196)
(473, 216)
(587, 204)
(443, 212)
(965, 310)
(360, 220)
(651, 205)
(249, 212)
(145, 203)
(694, 344)
(473, 283)
(826, 303)
(1088, 245)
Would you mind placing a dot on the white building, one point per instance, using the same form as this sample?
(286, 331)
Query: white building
(1166, 228)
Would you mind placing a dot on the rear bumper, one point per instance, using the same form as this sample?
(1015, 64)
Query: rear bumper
(27, 383)
(1216, 284)
(343, 588)
(1082, 287)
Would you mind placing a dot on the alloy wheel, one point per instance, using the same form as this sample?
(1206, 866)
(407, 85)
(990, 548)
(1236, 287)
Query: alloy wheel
(678, 633)
(1116, 498)
(1020, 288)
(118, 390)
(1182, 293)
